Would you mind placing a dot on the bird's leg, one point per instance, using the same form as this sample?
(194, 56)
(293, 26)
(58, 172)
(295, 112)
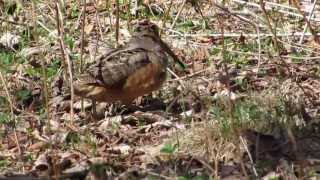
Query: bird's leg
(115, 107)
(94, 108)
(129, 107)
(293, 142)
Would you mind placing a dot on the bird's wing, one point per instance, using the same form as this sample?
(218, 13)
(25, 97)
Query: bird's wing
(114, 69)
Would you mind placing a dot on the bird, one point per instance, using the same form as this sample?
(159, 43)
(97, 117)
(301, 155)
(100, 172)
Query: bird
(125, 73)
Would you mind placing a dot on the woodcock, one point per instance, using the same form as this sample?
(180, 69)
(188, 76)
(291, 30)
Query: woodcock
(126, 73)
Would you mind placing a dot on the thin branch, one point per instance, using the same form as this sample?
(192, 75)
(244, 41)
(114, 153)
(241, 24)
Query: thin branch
(82, 34)
(98, 20)
(178, 15)
(306, 25)
(117, 21)
(65, 56)
(274, 35)
(268, 4)
(2, 19)
(45, 89)
(249, 155)
(165, 17)
(313, 32)
(82, 43)
(177, 78)
(4, 84)
(251, 35)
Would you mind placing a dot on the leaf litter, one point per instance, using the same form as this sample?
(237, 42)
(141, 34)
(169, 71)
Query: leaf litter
(175, 132)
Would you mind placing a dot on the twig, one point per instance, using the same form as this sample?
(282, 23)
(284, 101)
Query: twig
(82, 43)
(12, 22)
(208, 166)
(306, 25)
(268, 4)
(45, 28)
(82, 34)
(179, 12)
(129, 14)
(305, 48)
(150, 10)
(98, 20)
(283, 62)
(117, 22)
(252, 35)
(273, 32)
(301, 46)
(182, 85)
(313, 32)
(46, 89)
(176, 76)
(250, 157)
(158, 175)
(189, 75)
(231, 104)
(65, 56)
(77, 24)
(4, 84)
(110, 10)
(256, 26)
(164, 20)
(269, 8)
(259, 48)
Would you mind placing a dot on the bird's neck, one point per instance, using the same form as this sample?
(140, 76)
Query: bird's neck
(144, 42)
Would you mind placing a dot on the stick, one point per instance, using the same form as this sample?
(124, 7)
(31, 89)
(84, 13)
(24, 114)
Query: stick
(65, 56)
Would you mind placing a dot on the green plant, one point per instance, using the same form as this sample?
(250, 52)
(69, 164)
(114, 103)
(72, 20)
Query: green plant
(247, 47)
(23, 94)
(53, 68)
(198, 177)
(169, 148)
(74, 11)
(299, 53)
(4, 163)
(29, 157)
(4, 118)
(3, 100)
(73, 138)
(185, 25)
(92, 142)
(6, 61)
(69, 41)
(12, 7)
(98, 168)
(242, 82)
(243, 112)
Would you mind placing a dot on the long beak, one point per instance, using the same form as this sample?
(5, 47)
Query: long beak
(171, 53)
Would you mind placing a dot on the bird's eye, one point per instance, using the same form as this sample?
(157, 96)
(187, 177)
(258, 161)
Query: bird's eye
(154, 27)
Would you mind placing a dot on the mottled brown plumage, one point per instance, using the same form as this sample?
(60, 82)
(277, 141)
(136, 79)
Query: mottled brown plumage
(125, 73)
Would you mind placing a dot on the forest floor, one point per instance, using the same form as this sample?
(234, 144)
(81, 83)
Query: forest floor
(246, 107)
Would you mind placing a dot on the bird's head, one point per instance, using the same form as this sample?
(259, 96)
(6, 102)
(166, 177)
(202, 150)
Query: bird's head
(146, 28)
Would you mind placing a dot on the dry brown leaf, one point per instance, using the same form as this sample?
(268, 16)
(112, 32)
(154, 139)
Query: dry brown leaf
(124, 149)
(88, 28)
(36, 147)
(42, 163)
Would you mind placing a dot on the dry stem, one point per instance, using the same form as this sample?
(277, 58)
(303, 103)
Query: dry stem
(65, 56)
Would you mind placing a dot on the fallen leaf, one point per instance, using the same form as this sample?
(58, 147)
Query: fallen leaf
(88, 28)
